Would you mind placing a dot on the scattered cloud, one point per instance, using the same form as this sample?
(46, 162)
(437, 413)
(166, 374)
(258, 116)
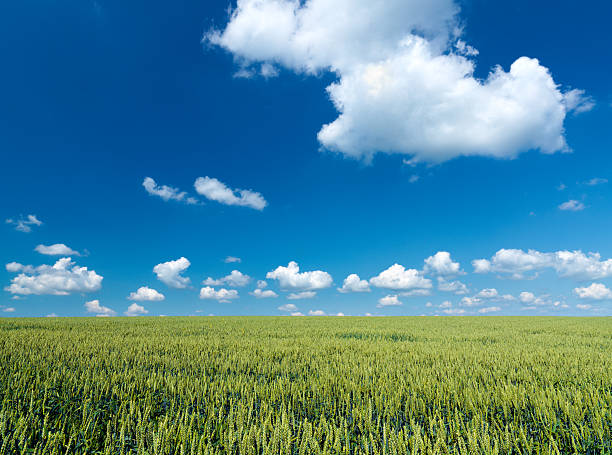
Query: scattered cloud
(297, 313)
(389, 300)
(167, 193)
(454, 311)
(146, 294)
(584, 306)
(442, 264)
(222, 295)
(572, 205)
(301, 295)
(24, 224)
(595, 291)
(353, 283)
(527, 297)
(235, 279)
(457, 287)
(416, 293)
(215, 190)
(62, 278)
(405, 80)
(57, 249)
(8, 309)
(316, 313)
(471, 301)
(136, 310)
(398, 278)
(264, 294)
(230, 259)
(596, 181)
(290, 278)
(489, 309)
(93, 306)
(489, 293)
(169, 273)
(289, 307)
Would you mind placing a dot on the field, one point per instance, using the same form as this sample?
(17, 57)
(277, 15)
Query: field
(306, 385)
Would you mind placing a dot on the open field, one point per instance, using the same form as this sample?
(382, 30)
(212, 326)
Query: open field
(271, 385)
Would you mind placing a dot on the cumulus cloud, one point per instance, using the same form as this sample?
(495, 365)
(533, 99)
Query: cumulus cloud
(290, 278)
(62, 278)
(215, 190)
(167, 193)
(584, 306)
(136, 310)
(489, 293)
(572, 205)
(527, 297)
(388, 300)
(471, 301)
(567, 264)
(301, 295)
(353, 283)
(24, 224)
(405, 79)
(397, 277)
(262, 284)
(442, 264)
(289, 307)
(457, 287)
(146, 294)
(489, 309)
(93, 306)
(235, 279)
(595, 291)
(264, 294)
(169, 273)
(542, 300)
(230, 259)
(57, 249)
(221, 295)
(316, 313)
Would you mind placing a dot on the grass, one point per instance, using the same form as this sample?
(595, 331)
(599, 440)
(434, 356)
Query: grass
(280, 385)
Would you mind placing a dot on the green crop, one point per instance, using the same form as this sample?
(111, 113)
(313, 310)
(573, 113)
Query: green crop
(281, 385)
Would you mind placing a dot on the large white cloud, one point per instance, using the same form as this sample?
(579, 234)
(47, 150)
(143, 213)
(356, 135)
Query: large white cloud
(146, 294)
(405, 81)
(442, 264)
(235, 279)
(595, 291)
(93, 306)
(398, 278)
(170, 273)
(567, 264)
(215, 190)
(290, 278)
(221, 295)
(57, 249)
(353, 283)
(62, 278)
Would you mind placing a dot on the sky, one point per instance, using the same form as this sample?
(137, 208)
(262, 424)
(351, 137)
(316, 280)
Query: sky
(275, 157)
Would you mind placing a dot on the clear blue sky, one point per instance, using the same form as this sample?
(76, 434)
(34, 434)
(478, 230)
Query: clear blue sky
(426, 152)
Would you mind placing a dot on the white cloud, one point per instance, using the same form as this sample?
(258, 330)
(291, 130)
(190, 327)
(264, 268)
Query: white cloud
(136, 310)
(595, 291)
(596, 181)
(572, 205)
(398, 278)
(24, 224)
(297, 313)
(454, 311)
(93, 306)
(57, 249)
(169, 273)
(261, 294)
(353, 283)
(584, 306)
(442, 264)
(316, 313)
(471, 301)
(301, 295)
(527, 297)
(456, 287)
(235, 279)
(262, 284)
(146, 294)
(489, 293)
(8, 309)
(388, 300)
(446, 304)
(221, 295)
(289, 307)
(416, 293)
(567, 264)
(489, 309)
(215, 190)
(230, 259)
(62, 278)
(290, 278)
(167, 193)
(405, 80)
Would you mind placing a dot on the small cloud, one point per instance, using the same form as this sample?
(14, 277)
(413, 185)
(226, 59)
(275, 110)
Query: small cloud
(167, 193)
(413, 178)
(596, 181)
(490, 309)
(584, 306)
(230, 259)
(389, 300)
(267, 70)
(289, 307)
(146, 294)
(316, 313)
(24, 224)
(235, 279)
(57, 249)
(572, 205)
(454, 311)
(561, 187)
(222, 295)
(9, 309)
(215, 190)
(93, 306)
(577, 102)
(353, 283)
(169, 273)
(264, 294)
(301, 295)
(596, 291)
(136, 310)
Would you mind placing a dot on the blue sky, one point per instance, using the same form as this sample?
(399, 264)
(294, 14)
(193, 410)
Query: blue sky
(430, 152)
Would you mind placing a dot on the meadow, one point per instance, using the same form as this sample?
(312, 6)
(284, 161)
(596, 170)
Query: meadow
(306, 385)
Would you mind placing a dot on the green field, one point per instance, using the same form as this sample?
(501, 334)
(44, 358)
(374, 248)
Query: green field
(281, 385)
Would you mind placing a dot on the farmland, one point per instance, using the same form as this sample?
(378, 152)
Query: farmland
(281, 385)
